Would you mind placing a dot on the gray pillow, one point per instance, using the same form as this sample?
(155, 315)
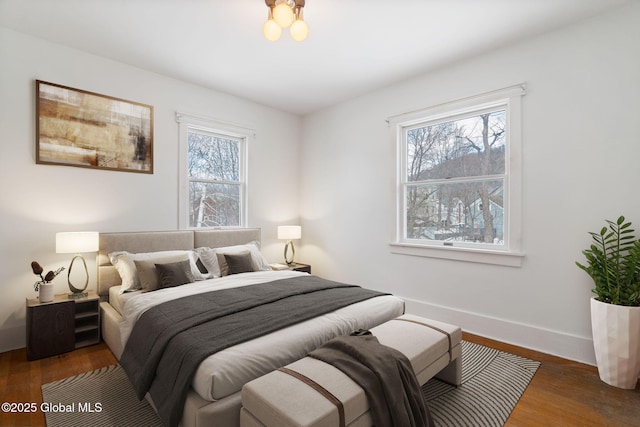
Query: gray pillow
(174, 274)
(147, 272)
(239, 263)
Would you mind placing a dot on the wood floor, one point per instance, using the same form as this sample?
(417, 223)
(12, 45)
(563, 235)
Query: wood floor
(562, 393)
(566, 393)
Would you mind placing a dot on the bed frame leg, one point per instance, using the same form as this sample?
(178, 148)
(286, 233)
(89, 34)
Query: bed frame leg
(452, 373)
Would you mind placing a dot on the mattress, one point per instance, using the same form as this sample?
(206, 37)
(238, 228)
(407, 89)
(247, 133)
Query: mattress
(225, 372)
(118, 299)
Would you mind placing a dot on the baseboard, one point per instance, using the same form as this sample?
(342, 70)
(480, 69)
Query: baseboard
(567, 346)
(12, 338)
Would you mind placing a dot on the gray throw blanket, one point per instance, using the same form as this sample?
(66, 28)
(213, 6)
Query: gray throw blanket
(170, 340)
(386, 376)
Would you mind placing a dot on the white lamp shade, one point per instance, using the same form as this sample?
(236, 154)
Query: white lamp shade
(289, 232)
(77, 242)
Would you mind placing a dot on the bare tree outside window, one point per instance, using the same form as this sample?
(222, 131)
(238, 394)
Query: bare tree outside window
(214, 170)
(459, 179)
(455, 176)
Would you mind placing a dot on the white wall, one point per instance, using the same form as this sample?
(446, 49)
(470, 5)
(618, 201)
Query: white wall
(581, 151)
(36, 201)
(581, 147)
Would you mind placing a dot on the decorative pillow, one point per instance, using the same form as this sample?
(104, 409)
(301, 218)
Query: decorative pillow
(223, 267)
(127, 271)
(239, 263)
(259, 262)
(174, 274)
(207, 257)
(201, 267)
(147, 274)
(124, 263)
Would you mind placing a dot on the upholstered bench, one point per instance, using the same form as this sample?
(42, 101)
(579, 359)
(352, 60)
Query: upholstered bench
(312, 393)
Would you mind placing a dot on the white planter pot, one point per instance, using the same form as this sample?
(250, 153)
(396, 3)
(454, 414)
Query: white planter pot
(616, 340)
(45, 292)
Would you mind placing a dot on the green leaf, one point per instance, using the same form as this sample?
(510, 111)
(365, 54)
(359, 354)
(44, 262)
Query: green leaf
(613, 262)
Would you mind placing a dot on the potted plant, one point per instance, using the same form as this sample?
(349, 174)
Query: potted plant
(613, 262)
(44, 287)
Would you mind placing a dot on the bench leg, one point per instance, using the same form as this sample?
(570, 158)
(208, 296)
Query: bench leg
(452, 373)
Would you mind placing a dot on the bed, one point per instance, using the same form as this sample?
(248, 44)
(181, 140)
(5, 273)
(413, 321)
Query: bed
(213, 398)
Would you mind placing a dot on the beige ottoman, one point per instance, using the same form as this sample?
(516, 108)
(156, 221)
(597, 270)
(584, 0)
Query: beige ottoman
(312, 393)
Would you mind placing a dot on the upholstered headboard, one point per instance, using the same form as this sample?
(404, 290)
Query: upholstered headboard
(153, 241)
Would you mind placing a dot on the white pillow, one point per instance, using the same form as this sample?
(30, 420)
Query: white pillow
(209, 258)
(260, 263)
(123, 261)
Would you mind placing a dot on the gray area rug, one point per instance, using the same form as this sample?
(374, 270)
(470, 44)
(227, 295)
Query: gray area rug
(110, 395)
(492, 383)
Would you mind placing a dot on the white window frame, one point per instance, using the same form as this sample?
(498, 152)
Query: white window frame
(509, 254)
(245, 135)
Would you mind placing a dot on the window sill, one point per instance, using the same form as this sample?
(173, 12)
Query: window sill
(509, 259)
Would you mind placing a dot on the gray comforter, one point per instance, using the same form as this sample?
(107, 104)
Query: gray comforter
(170, 340)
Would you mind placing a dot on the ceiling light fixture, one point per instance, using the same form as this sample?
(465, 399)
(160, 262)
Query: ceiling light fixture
(285, 14)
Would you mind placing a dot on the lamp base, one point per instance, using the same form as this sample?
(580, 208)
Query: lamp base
(289, 259)
(74, 290)
(76, 295)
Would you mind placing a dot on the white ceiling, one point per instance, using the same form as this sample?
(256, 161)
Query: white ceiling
(354, 46)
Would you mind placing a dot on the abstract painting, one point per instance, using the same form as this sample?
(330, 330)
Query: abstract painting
(85, 129)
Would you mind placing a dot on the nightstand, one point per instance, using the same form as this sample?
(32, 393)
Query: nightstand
(296, 266)
(62, 325)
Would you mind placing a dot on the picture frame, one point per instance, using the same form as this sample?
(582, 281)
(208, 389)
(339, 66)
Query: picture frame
(85, 129)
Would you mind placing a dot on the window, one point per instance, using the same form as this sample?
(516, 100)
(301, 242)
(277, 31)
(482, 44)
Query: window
(212, 173)
(459, 179)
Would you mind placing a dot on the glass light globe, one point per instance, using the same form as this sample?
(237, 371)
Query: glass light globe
(283, 15)
(271, 30)
(299, 30)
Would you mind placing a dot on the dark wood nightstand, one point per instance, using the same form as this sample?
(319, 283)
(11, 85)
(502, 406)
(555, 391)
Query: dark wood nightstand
(296, 266)
(62, 325)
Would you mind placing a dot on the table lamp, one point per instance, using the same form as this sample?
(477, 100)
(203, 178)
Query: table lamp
(289, 233)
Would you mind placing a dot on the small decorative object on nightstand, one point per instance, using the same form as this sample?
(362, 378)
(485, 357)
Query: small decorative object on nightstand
(62, 325)
(44, 287)
(77, 243)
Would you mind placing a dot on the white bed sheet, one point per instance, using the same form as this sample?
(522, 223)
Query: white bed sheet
(117, 299)
(225, 372)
